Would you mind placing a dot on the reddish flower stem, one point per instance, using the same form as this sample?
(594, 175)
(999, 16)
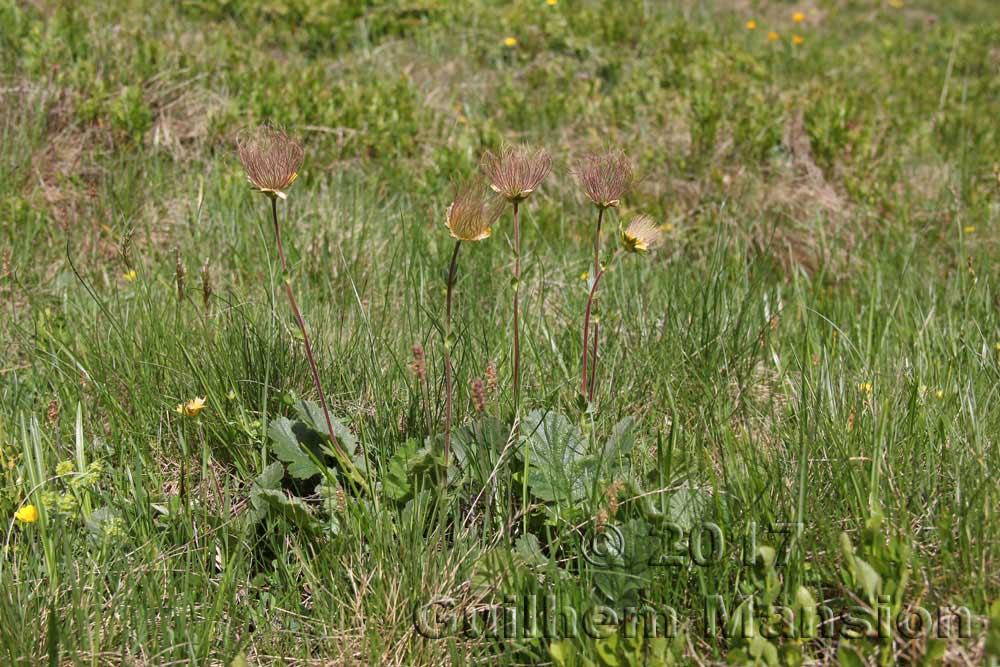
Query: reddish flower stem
(517, 326)
(586, 329)
(302, 328)
(447, 352)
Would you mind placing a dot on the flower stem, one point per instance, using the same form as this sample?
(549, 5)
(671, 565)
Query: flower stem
(447, 352)
(587, 388)
(302, 328)
(517, 326)
(586, 329)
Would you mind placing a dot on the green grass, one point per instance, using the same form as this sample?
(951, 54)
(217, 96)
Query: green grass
(815, 343)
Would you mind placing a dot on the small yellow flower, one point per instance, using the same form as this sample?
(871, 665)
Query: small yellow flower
(798, 17)
(191, 408)
(130, 275)
(969, 229)
(772, 36)
(897, 4)
(751, 25)
(510, 42)
(462, 119)
(939, 393)
(586, 274)
(998, 347)
(27, 514)
(667, 227)
(552, 3)
(797, 40)
(865, 388)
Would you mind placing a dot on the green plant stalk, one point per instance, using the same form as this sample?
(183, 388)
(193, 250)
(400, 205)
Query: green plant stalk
(302, 328)
(448, 380)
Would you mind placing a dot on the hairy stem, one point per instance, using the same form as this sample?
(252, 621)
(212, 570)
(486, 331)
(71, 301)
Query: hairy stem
(302, 328)
(586, 330)
(447, 352)
(586, 387)
(517, 326)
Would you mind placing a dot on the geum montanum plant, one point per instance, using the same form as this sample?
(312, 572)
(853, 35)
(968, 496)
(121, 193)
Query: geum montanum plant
(470, 217)
(514, 172)
(272, 160)
(605, 178)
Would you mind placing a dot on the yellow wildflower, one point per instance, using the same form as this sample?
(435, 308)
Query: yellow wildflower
(969, 229)
(798, 17)
(897, 4)
(751, 25)
(772, 36)
(191, 408)
(797, 40)
(27, 514)
(510, 42)
(939, 393)
(130, 275)
(552, 3)
(667, 227)
(586, 274)
(865, 387)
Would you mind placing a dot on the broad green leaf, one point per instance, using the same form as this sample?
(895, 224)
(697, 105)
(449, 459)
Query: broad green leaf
(287, 447)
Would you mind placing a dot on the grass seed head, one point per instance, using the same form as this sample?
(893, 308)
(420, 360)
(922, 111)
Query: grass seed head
(419, 364)
(514, 172)
(641, 235)
(270, 158)
(605, 177)
(206, 283)
(473, 212)
(478, 395)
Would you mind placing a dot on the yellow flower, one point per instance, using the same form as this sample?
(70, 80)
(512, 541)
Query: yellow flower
(667, 227)
(510, 42)
(751, 25)
(998, 347)
(641, 235)
(939, 393)
(772, 36)
(191, 408)
(798, 17)
(898, 4)
(552, 3)
(797, 40)
(968, 229)
(865, 387)
(27, 514)
(130, 275)
(586, 274)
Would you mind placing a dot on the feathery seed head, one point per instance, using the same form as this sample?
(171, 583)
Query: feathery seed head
(478, 395)
(641, 235)
(473, 211)
(605, 177)
(270, 158)
(515, 172)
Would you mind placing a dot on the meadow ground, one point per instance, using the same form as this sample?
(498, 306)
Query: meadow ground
(796, 407)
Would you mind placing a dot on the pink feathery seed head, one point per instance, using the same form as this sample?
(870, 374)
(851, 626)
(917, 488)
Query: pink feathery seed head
(514, 172)
(270, 158)
(473, 211)
(605, 177)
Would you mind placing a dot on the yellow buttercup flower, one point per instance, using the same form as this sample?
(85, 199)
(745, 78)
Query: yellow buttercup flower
(27, 514)
(586, 274)
(797, 40)
(552, 3)
(798, 17)
(510, 42)
(191, 408)
(865, 387)
(751, 25)
(772, 36)
(969, 229)
(130, 275)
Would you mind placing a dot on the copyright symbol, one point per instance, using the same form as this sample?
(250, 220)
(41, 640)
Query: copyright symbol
(604, 548)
